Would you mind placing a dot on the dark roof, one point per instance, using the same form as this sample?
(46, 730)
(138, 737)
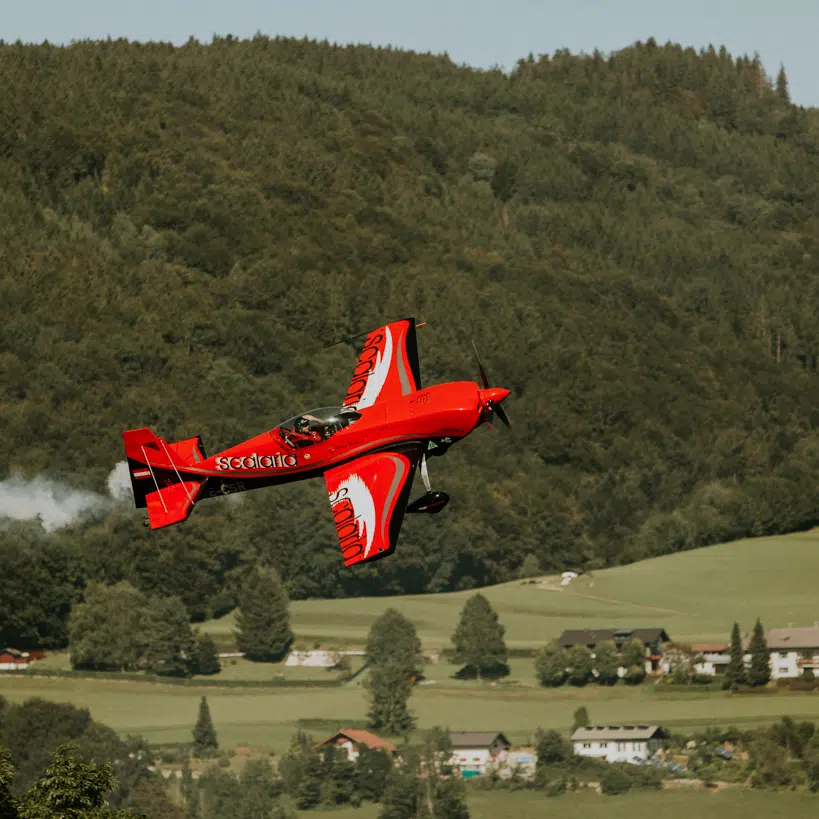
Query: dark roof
(617, 732)
(590, 637)
(476, 739)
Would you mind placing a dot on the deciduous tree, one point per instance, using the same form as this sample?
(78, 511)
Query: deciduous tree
(551, 665)
(606, 662)
(580, 663)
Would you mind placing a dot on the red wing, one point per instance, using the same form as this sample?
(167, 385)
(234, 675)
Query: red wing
(368, 497)
(387, 366)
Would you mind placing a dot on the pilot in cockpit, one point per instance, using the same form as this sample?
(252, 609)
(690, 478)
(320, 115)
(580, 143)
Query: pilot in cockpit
(308, 428)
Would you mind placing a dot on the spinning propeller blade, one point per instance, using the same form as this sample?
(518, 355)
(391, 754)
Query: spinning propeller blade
(492, 397)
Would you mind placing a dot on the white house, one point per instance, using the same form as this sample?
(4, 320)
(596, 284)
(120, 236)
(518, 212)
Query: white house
(713, 658)
(350, 741)
(618, 743)
(792, 650)
(475, 752)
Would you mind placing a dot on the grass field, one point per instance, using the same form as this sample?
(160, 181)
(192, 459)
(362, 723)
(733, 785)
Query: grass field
(664, 805)
(695, 596)
(265, 718)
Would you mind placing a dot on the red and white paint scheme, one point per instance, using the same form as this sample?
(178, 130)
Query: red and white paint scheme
(367, 449)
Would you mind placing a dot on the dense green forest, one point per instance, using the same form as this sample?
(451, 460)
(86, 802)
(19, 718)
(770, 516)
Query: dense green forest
(631, 240)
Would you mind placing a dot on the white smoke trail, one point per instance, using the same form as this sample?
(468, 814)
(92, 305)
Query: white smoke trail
(57, 505)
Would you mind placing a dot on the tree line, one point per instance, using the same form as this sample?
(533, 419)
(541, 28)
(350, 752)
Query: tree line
(118, 628)
(56, 762)
(636, 234)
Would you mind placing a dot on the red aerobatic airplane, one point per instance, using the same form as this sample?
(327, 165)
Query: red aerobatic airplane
(367, 450)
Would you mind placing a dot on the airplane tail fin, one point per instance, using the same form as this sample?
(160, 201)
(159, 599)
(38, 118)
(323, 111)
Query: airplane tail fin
(159, 476)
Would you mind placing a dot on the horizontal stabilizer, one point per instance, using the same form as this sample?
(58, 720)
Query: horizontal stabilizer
(159, 476)
(171, 504)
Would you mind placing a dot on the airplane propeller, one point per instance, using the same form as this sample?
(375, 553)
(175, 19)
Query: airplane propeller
(492, 397)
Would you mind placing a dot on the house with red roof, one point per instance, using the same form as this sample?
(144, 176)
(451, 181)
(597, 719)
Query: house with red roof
(351, 740)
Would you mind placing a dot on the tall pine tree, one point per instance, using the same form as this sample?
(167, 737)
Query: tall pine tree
(204, 734)
(390, 687)
(478, 638)
(207, 658)
(735, 673)
(782, 85)
(263, 622)
(759, 671)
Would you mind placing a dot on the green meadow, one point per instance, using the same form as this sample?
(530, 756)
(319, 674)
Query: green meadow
(680, 804)
(695, 596)
(265, 718)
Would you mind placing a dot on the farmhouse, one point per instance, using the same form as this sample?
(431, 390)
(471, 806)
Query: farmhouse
(350, 740)
(713, 658)
(475, 752)
(792, 651)
(653, 638)
(618, 743)
(13, 660)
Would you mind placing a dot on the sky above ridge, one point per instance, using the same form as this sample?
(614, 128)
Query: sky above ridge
(481, 33)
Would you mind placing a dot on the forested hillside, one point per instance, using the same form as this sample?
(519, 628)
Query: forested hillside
(632, 242)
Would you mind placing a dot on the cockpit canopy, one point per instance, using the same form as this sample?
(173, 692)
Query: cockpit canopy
(316, 426)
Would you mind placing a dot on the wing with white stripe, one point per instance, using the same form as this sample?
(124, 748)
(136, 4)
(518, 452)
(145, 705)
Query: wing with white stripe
(387, 366)
(368, 497)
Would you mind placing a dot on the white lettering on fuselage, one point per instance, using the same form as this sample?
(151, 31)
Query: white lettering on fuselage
(255, 461)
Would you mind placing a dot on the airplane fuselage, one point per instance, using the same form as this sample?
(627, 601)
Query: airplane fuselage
(440, 414)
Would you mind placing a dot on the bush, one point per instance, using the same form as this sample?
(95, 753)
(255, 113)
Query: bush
(615, 781)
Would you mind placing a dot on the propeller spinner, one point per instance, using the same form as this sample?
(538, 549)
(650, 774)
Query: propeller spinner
(491, 397)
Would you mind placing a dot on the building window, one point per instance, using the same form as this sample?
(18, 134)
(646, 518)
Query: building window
(620, 746)
(587, 744)
(604, 745)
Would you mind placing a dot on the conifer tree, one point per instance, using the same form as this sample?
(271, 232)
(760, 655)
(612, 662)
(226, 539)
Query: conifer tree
(581, 718)
(393, 638)
(390, 688)
(263, 621)
(204, 734)
(478, 638)
(782, 85)
(735, 673)
(170, 642)
(207, 658)
(759, 671)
